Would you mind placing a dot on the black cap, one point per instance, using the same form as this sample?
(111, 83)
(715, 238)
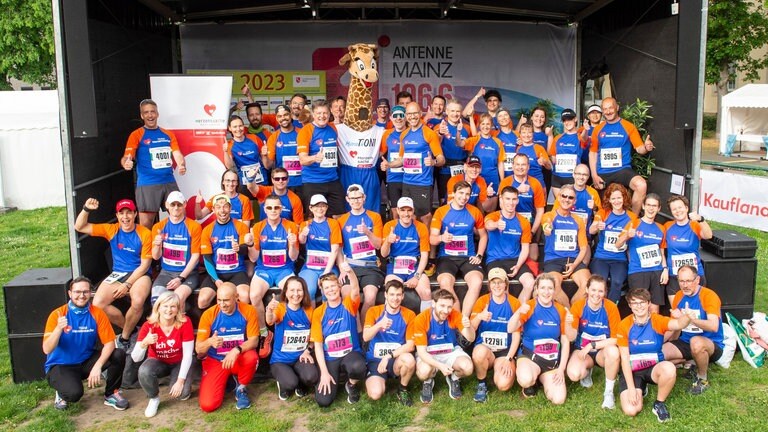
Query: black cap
(474, 160)
(492, 93)
(568, 114)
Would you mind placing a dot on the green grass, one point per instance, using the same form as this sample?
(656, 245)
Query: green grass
(38, 238)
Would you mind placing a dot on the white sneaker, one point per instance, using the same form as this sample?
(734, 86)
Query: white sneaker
(587, 381)
(608, 402)
(152, 405)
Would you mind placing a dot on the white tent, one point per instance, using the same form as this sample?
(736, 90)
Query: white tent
(744, 116)
(31, 170)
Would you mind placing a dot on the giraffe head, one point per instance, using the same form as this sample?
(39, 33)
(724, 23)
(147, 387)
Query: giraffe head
(361, 61)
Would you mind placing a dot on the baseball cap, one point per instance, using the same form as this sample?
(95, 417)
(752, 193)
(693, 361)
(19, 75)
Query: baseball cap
(497, 273)
(125, 203)
(474, 160)
(317, 199)
(221, 197)
(594, 107)
(568, 114)
(404, 202)
(383, 102)
(283, 107)
(398, 109)
(492, 93)
(175, 196)
(353, 186)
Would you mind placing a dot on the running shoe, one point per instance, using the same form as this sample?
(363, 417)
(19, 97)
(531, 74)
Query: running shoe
(692, 374)
(529, 392)
(426, 391)
(282, 394)
(698, 387)
(587, 380)
(242, 401)
(353, 394)
(661, 411)
(430, 270)
(121, 343)
(481, 393)
(645, 390)
(454, 389)
(265, 344)
(152, 405)
(59, 403)
(300, 392)
(116, 401)
(608, 401)
(404, 397)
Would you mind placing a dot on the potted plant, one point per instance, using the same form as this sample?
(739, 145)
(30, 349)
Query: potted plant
(638, 113)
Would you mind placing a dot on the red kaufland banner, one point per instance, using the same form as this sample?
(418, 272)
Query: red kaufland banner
(195, 109)
(734, 199)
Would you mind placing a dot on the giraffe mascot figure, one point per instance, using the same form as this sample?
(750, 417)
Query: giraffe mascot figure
(359, 140)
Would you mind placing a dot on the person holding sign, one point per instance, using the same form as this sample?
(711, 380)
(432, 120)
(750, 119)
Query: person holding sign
(682, 238)
(131, 247)
(227, 337)
(565, 246)
(452, 133)
(246, 154)
(640, 338)
(565, 152)
(406, 244)
(292, 364)
(152, 150)
(319, 156)
(593, 333)
(282, 148)
(168, 342)
(702, 339)
(361, 236)
(610, 261)
(176, 244)
(490, 317)
(453, 229)
(647, 261)
(610, 154)
(434, 332)
(71, 356)
(336, 342)
(322, 237)
(544, 347)
(389, 352)
(224, 246)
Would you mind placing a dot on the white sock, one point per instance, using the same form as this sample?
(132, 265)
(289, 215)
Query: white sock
(425, 304)
(609, 383)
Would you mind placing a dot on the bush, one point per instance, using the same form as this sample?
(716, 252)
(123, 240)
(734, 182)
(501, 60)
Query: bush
(709, 122)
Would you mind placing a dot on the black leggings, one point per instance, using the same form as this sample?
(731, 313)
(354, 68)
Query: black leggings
(68, 379)
(353, 363)
(291, 376)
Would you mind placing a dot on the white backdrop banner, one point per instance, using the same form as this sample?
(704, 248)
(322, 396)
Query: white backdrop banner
(525, 62)
(195, 109)
(734, 199)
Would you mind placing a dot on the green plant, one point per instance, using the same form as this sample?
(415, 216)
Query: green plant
(638, 113)
(709, 122)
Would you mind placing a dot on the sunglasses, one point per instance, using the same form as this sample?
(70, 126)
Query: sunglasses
(273, 207)
(279, 178)
(398, 116)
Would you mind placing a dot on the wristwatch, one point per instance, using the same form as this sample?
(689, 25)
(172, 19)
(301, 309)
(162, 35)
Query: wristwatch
(417, 275)
(479, 255)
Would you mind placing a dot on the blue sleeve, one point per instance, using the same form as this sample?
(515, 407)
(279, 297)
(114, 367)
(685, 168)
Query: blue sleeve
(210, 268)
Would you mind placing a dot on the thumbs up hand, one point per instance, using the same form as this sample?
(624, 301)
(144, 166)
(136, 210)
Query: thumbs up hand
(149, 339)
(384, 163)
(62, 323)
(272, 306)
(486, 315)
(446, 237)
(215, 340)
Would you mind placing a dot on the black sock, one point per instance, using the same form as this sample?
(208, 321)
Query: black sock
(403, 388)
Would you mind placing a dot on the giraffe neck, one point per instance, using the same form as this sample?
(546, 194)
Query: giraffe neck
(358, 98)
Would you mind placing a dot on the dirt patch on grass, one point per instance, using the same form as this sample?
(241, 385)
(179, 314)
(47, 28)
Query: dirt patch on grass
(515, 413)
(418, 420)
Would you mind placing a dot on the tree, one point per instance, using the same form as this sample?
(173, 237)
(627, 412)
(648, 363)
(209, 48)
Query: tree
(26, 42)
(735, 29)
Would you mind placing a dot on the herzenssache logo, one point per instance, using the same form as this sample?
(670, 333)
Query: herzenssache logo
(209, 109)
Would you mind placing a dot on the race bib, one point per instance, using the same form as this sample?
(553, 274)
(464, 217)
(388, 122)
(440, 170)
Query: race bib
(383, 349)
(456, 169)
(251, 174)
(160, 157)
(587, 338)
(339, 344)
(496, 341)
(404, 265)
(611, 237)
(295, 340)
(508, 159)
(548, 349)
(650, 255)
(639, 362)
(229, 343)
(566, 163)
(680, 260)
(610, 158)
(317, 260)
(412, 163)
(114, 277)
(273, 258)
(457, 246)
(361, 247)
(443, 348)
(174, 254)
(226, 259)
(565, 240)
(330, 157)
(292, 165)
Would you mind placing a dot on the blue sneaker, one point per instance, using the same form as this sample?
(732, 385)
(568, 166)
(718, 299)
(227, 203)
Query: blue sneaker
(116, 401)
(481, 394)
(241, 397)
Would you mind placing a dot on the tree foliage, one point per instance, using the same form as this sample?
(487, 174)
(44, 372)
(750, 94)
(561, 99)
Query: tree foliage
(735, 29)
(26, 42)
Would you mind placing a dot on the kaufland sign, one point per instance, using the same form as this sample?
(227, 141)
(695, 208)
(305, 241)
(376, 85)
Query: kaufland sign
(734, 199)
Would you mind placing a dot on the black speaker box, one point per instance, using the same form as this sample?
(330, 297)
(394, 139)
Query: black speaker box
(738, 311)
(31, 296)
(732, 279)
(27, 357)
(687, 68)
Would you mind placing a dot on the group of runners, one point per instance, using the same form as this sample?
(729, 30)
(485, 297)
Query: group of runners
(303, 291)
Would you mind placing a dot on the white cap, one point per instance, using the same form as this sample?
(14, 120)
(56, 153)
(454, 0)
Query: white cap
(404, 202)
(317, 199)
(175, 196)
(355, 185)
(594, 107)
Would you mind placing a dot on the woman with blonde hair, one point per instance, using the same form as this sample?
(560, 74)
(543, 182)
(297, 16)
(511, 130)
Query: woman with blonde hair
(167, 340)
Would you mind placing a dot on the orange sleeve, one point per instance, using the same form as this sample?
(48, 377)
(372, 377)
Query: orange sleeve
(502, 152)
(676, 299)
(710, 302)
(303, 137)
(388, 228)
(451, 183)
(514, 302)
(256, 231)
(279, 312)
(582, 234)
(402, 136)
(595, 134)
(561, 312)
(371, 315)
(53, 320)
(342, 219)
(506, 182)
(247, 208)
(622, 334)
(666, 228)
(634, 134)
(493, 217)
(576, 310)
(433, 140)
(255, 138)
(549, 216)
(352, 306)
(660, 323)
(384, 147)
(376, 218)
(174, 141)
(595, 196)
(614, 318)
(421, 229)
(437, 219)
(526, 316)
(316, 330)
(477, 215)
(454, 319)
(553, 147)
(205, 240)
(526, 228)
(483, 186)
(195, 231)
(103, 326)
(106, 231)
(480, 305)
(696, 228)
(242, 230)
(251, 319)
(158, 227)
(469, 143)
(298, 208)
(335, 231)
(132, 144)
(271, 145)
(408, 317)
(540, 151)
(262, 193)
(146, 242)
(419, 328)
(204, 326)
(539, 196)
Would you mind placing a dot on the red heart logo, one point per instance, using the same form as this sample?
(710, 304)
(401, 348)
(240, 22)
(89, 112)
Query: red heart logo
(353, 153)
(209, 109)
(540, 322)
